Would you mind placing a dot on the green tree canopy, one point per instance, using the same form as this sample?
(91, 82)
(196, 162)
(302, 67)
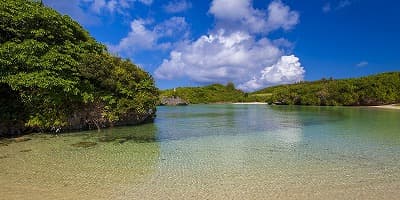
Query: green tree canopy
(61, 75)
(370, 90)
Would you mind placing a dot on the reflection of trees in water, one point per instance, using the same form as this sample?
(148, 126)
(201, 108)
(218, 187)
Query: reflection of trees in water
(214, 120)
(175, 123)
(374, 125)
(347, 122)
(139, 134)
(229, 135)
(309, 115)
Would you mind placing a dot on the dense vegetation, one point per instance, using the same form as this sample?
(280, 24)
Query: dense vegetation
(208, 94)
(377, 89)
(55, 76)
(371, 90)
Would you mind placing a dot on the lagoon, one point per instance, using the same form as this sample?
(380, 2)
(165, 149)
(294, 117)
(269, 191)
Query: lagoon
(215, 152)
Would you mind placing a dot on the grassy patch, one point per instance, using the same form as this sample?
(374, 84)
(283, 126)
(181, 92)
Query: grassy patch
(262, 95)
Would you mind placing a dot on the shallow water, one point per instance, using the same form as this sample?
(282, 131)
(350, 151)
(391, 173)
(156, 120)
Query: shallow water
(215, 152)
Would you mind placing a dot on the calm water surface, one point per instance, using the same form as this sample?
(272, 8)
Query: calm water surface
(216, 152)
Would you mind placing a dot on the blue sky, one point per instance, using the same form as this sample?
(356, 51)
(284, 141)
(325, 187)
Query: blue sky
(253, 43)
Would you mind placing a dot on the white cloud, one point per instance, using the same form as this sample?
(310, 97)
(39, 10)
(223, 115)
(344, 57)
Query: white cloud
(138, 38)
(230, 10)
(112, 6)
(362, 64)
(74, 9)
(144, 35)
(172, 27)
(177, 6)
(288, 69)
(147, 2)
(86, 11)
(240, 14)
(343, 3)
(280, 16)
(97, 5)
(219, 57)
(327, 8)
(237, 49)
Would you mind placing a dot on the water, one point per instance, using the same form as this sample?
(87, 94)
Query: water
(215, 152)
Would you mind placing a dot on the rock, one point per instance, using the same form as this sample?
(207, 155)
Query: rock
(279, 103)
(107, 138)
(173, 101)
(4, 142)
(9, 128)
(21, 139)
(88, 117)
(84, 144)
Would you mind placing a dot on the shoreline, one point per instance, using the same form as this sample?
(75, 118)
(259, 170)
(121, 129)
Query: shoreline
(392, 107)
(250, 103)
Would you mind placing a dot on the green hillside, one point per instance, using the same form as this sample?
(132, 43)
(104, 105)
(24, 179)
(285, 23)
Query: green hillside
(370, 90)
(215, 93)
(54, 76)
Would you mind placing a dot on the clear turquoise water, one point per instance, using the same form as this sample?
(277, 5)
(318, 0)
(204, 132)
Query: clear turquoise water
(216, 152)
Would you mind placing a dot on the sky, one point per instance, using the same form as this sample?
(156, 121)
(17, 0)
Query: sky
(252, 43)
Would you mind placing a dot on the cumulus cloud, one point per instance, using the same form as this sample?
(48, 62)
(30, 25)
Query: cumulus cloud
(362, 64)
(238, 48)
(172, 27)
(219, 57)
(99, 5)
(231, 10)
(328, 7)
(144, 35)
(112, 6)
(139, 37)
(75, 10)
(177, 6)
(240, 14)
(288, 69)
(87, 11)
(280, 16)
(343, 3)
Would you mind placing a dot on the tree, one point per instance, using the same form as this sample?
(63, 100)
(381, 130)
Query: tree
(371, 90)
(62, 76)
(230, 86)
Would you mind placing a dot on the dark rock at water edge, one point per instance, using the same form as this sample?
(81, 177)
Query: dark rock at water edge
(21, 139)
(92, 117)
(173, 101)
(89, 117)
(10, 128)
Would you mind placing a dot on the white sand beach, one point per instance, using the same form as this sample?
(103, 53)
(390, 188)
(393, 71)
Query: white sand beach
(393, 106)
(251, 103)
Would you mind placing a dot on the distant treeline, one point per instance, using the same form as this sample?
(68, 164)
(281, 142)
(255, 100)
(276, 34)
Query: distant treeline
(370, 90)
(208, 94)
